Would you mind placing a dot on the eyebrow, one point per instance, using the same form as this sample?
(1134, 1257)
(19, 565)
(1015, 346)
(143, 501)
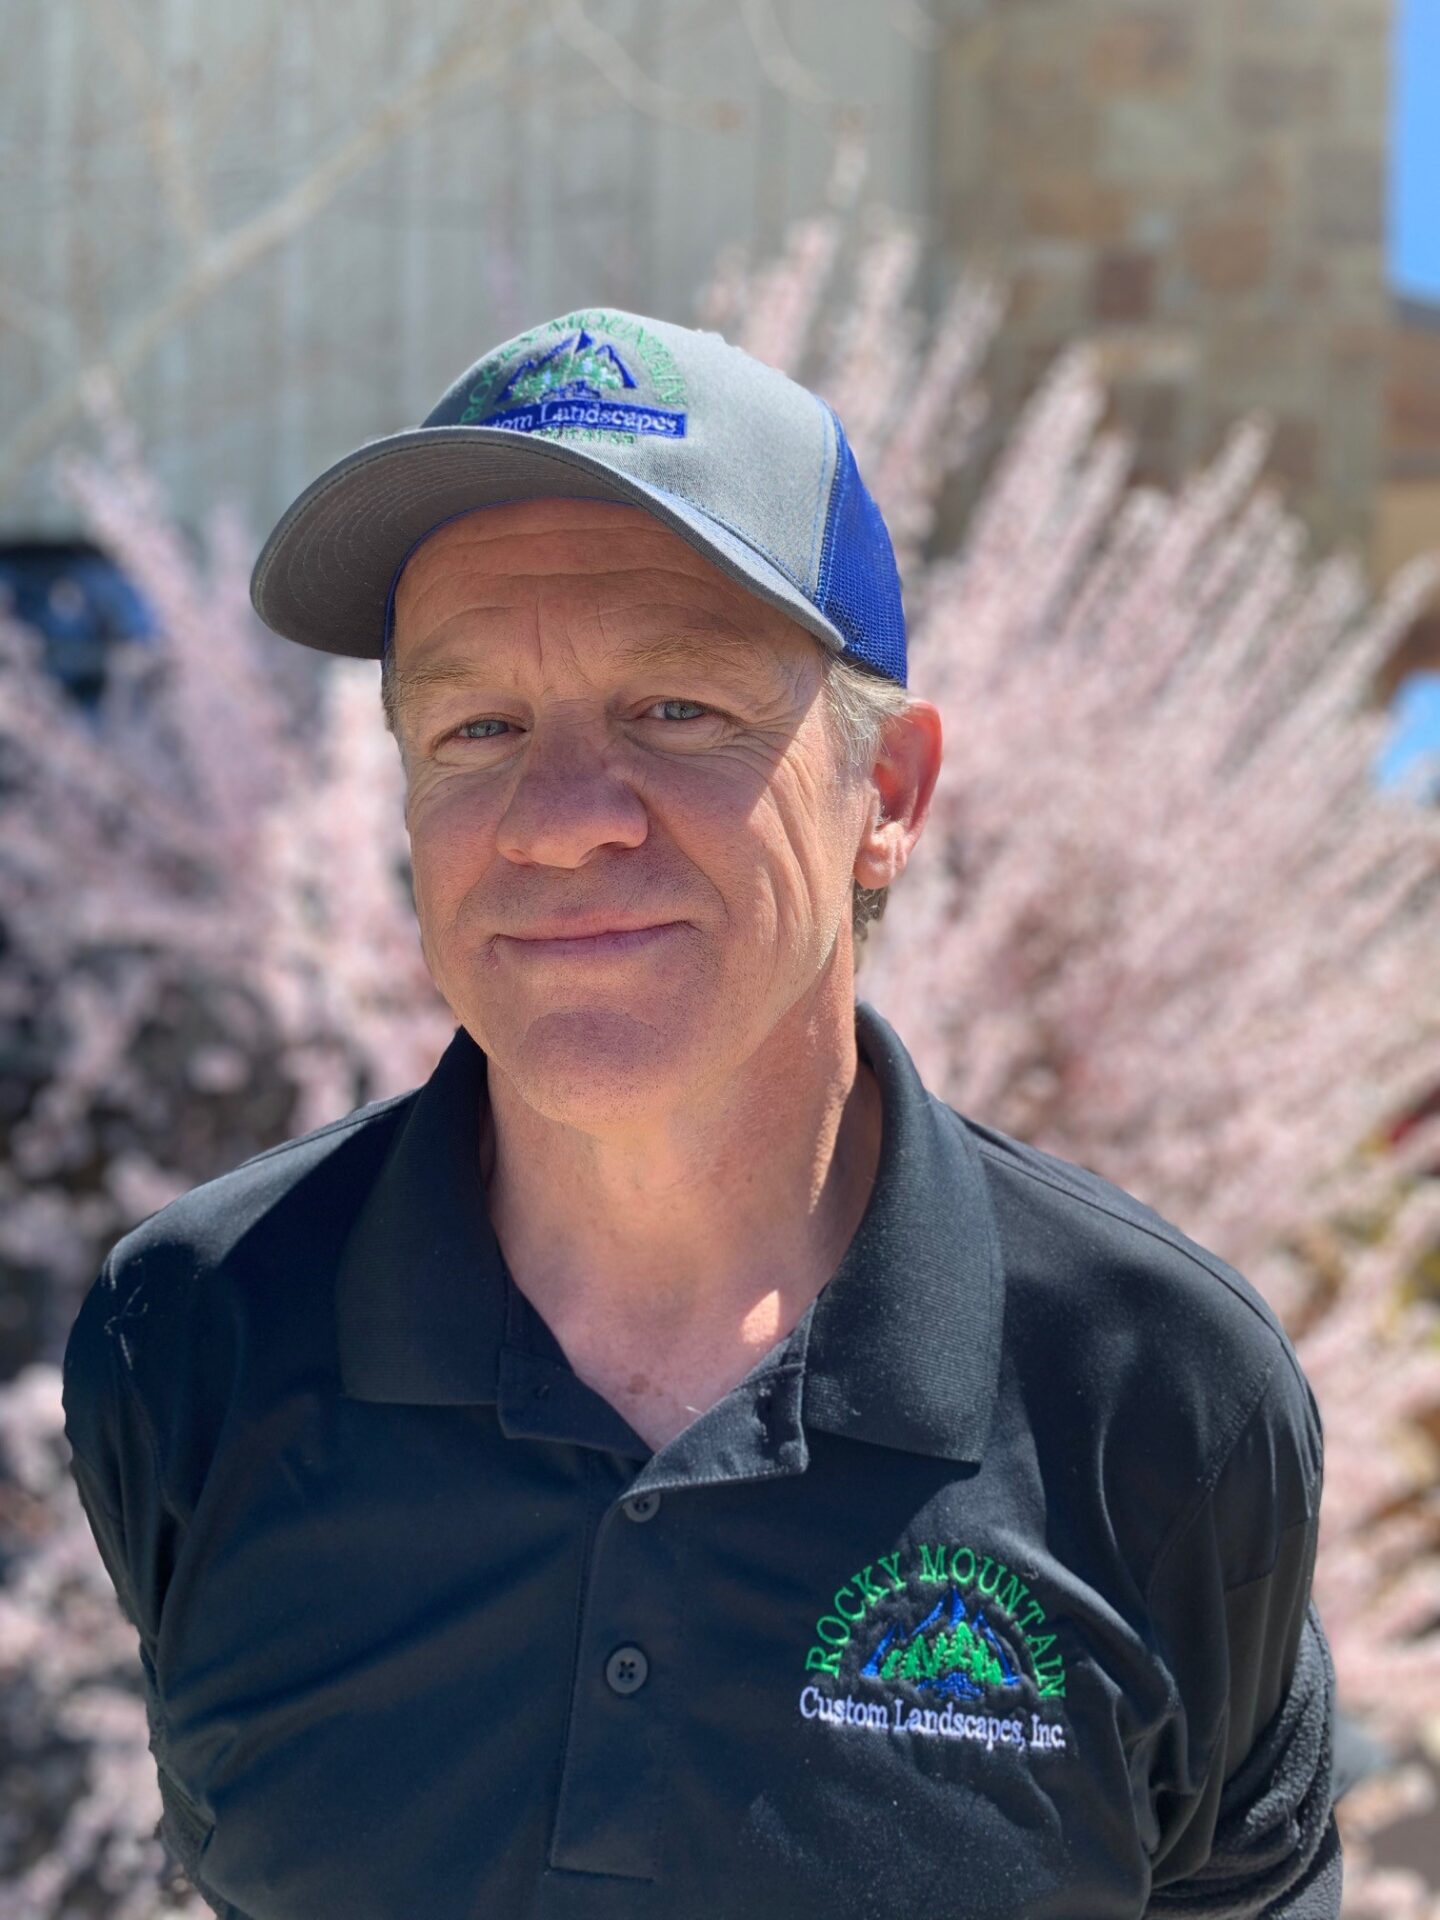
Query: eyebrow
(693, 646)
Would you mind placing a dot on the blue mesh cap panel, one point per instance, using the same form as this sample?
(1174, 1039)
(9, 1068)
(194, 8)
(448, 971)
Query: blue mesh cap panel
(859, 584)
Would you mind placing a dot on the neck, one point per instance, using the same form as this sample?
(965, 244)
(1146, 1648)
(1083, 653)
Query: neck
(699, 1240)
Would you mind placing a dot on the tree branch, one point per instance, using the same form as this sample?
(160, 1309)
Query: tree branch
(161, 136)
(777, 59)
(635, 87)
(220, 261)
(50, 326)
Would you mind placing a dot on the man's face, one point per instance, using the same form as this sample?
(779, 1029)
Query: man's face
(601, 729)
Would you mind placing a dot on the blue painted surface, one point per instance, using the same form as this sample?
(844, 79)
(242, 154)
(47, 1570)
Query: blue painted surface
(1415, 150)
(1416, 733)
(1414, 249)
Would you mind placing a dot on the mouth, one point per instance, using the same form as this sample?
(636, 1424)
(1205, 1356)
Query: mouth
(616, 941)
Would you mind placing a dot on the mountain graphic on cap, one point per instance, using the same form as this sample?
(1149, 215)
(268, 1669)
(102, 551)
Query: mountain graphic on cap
(579, 368)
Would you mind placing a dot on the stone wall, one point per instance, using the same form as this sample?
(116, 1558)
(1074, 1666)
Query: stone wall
(1412, 394)
(1408, 518)
(1200, 189)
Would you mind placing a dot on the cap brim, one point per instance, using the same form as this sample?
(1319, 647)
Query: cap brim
(323, 577)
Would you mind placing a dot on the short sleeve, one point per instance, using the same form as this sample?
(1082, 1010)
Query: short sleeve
(114, 1468)
(112, 1459)
(1241, 1780)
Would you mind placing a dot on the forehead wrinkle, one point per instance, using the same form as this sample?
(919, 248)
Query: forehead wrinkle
(571, 552)
(487, 590)
(630, 592)
(537, 519)
(696, 643)
(701, 613)
(691, 635)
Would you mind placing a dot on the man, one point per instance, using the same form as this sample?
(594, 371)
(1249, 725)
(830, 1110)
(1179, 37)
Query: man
(670, 1463)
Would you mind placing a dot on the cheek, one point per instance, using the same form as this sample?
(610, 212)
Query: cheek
(794, 846)
(731, 820)
(452, 838)
(815, 805)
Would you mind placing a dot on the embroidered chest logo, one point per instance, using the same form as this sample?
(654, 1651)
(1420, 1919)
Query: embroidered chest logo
(580, 384)
(943, 1641)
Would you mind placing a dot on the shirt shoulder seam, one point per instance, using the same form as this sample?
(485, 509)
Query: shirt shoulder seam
(1202, 1496)
(127, 1393)
(125, 1396)
(1196, 1257)
(133, 1397)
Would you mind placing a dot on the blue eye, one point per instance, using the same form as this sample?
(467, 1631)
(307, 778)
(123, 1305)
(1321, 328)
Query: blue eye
(472, 729)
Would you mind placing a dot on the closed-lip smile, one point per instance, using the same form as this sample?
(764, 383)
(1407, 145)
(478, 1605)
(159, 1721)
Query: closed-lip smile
(585, 929)
(579, 939)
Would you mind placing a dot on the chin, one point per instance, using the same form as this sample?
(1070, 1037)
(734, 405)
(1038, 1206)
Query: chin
(597, 1065)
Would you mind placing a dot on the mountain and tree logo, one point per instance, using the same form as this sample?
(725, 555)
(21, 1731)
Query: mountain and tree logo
(580, 384)
(950, 1653)
(578, 368)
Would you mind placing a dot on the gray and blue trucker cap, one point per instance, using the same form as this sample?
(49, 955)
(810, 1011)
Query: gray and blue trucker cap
(753, 470)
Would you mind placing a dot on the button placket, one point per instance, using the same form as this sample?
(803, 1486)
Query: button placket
(612, 1797)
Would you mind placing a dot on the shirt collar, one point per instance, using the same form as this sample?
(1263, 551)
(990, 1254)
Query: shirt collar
(902, 1345)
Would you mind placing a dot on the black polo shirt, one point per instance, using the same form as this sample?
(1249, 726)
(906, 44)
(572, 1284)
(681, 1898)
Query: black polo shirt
(985, 1592)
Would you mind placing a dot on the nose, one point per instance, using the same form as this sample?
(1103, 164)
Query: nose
(567, 803)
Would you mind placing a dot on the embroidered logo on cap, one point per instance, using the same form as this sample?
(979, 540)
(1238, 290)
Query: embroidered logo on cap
(942, 1641)
(577, 384)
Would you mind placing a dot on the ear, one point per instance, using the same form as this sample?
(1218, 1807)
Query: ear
(902, 782)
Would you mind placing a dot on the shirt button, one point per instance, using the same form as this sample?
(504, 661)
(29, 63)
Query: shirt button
(626, 1669)
(641, 1506)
